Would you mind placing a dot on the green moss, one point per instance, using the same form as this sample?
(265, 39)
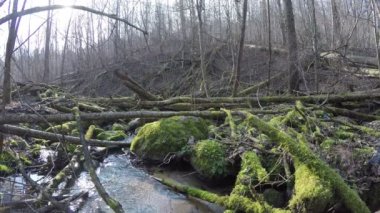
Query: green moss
(234, 202)
(251, 173)
(112, 135)
(35, 150)
(302, 153)
(7, 162)
(5, 170)
(25, 160)
(90, 132)
(65, 128)
(363, 153)
(117, 126)
(311, 193)
(343, 134)
(156, 140)
(328, 144)
(7, 158)
(209, 159)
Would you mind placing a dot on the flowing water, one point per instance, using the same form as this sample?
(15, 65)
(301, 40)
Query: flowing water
(135, 190)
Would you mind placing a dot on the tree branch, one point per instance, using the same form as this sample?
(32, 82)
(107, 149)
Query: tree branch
(76, 7)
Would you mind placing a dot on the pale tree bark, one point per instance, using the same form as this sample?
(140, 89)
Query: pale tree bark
(325, 23)
(269, 44)
(292, 47)
(282, 23)
(241, 49)
(204, 85)
(183, 30)
(65, 46)
(8, 57)
(315, 43)
(376, 31)
(46, 76)
(336, 31)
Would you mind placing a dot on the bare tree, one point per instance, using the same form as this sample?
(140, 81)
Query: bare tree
(46, 76)
(315, 43)
(8, 57)
(336, 32)
(376, 30)
(282, 23)
(269, 30)
(204, 86)
(292, 47)
(241, 49)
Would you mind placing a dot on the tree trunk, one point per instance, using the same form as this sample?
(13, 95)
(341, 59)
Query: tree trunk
(282, 23)
(241, 49)
(315, 43)
(46, 76)
(204, 85)
(269, 45)
(336, 33)
(376, 31)
(292, 47)
(8, 57)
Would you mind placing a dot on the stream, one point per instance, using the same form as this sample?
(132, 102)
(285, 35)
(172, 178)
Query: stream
(136, 190)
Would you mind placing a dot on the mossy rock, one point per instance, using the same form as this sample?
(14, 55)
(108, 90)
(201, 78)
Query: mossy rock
(209, 159)
(112, 135)
(311, 193)
(156, 140)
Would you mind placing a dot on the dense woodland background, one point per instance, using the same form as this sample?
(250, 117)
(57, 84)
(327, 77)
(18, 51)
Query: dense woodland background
(192, 43)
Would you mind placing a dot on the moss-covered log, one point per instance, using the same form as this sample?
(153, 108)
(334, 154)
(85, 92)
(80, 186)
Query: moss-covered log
(244, 101)
(302, 153)
(23, 132)
(351, 114)
(234, 202)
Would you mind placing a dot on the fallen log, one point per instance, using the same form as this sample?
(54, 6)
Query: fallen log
(135, 87)
(243, 101)
(254, 88)
(104, 116)
(24, 132)
(351, 114)
(302, 153)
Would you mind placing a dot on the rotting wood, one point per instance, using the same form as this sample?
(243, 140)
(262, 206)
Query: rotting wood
(24, 132)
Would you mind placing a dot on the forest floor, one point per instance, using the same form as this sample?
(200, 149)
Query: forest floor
(312, 152)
